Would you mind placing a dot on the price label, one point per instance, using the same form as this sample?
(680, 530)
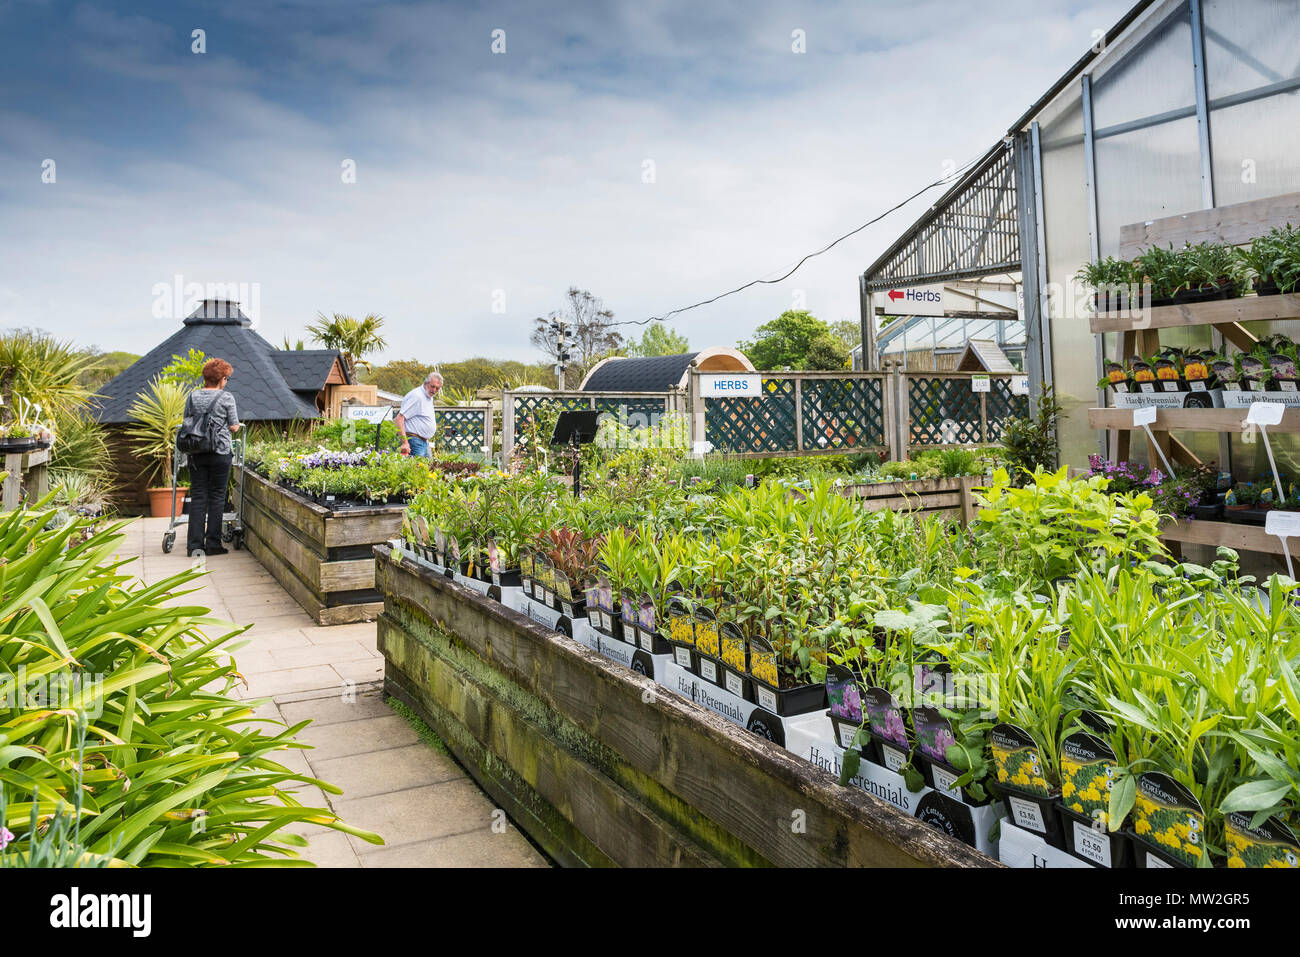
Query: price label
(893, 757)
(1265, 413)
(1091, 844)
(1025, 814)
(847, 733)
(682, 656)
(736, 684)
(1144, 416)
(766, 699)
(981, 383)
(1153, 861)
(708, 670)
(945, 780)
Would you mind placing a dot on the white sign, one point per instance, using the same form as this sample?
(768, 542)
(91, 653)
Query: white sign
(1264, 413)
(1144, 416)
(916, 301)
(1282, 524)
(980, 383)
(1020, 385)
(731, 385)
(369, 413)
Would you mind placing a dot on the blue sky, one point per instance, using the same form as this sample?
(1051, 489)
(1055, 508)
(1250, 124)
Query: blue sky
(486, 177)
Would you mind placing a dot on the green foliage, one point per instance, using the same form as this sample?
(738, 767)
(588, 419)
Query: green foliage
(658, 340)
(44, 371)
(185, 370)
(848, 332)
(355, 338)
(1030, 444)
(827, 352)
(156, 417)
(1054, 527)
(173, 769)
(785, 341)
(104, 366)
(1275, 258)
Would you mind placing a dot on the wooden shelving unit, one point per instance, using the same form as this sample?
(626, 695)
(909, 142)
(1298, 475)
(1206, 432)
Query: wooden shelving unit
(1140, 334)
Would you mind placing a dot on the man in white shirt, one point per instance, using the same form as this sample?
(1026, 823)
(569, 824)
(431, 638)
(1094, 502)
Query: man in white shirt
(416, 421)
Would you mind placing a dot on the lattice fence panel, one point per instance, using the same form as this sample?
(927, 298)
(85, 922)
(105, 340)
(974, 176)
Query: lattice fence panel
(943, 412)
(461, 430)
(843, 413)
(1003, 404)
(763, 424)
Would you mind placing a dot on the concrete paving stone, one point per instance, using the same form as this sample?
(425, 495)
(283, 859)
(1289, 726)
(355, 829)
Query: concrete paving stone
(361, 775)
(369, 669)
(333, 709)
(418, 814)
(355, 631)
(476, 849)
(285, 620)
(262, 639)
(357, 737)
(271, 683)
(339, 651)
(329, 848)
(255, 661)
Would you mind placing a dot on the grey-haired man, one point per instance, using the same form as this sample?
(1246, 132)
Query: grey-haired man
(416, 421)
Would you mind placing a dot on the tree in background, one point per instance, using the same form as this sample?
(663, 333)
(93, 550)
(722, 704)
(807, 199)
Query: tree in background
(658, 340)
(591, 334)
(828, 353)
(467, 376)
(849, 332)
(355, 338)
(104, 366)
(399, 376)
(786, 341)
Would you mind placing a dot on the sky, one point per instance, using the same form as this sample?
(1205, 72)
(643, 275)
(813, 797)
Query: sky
(456, 167)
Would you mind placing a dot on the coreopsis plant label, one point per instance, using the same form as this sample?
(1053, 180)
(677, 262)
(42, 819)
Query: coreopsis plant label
(763, 669)
(1270, 844)
(1088, 770)
(1167, 818)
(735, 660)
(681, 632)
(543, 579)
(708, 646)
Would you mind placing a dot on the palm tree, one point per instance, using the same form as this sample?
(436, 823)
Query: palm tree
(355, 338)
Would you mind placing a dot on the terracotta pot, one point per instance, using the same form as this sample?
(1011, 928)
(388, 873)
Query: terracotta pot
(160, 501)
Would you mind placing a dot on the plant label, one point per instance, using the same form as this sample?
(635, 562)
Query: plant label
(981, 383)
(766, 698)
(845, 731)
(933, 733)
(1142, 417)
(708, 670)
(1026, 814)
(682, 656)
(843, 694)
(1087, 773)
(945, 781)
(1166, 816)
(735, 684)
(1264, 413)
(1093, 845)
(1272, 844)
(1018, 761)
(1282, 524)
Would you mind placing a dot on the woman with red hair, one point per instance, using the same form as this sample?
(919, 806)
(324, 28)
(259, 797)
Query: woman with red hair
(210, 471)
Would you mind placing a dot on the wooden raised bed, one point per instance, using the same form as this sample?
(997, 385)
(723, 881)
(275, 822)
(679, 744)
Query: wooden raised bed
(601, 766)
(944, 497)
(322, 558)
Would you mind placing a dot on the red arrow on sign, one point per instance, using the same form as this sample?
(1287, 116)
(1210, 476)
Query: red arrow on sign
(895, 294)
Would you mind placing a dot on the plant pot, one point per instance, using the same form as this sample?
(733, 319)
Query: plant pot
(1246, 514)
(13, 446)
(940, 775)
(1267, 289)
(1035, 813)
(1111, 849)
(651, 642)
(160, 501)
(510, 578)
(845, 731)
(1208, 513)
(790, 701)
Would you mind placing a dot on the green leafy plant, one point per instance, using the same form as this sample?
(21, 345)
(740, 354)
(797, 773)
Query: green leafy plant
(156, 417)
(1030, 444)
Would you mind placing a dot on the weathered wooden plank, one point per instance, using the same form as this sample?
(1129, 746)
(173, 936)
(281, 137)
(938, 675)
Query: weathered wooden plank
(667, 753)
(911, 503)
(292, 508)
(1235, 225)
(363, 526)
(1250, 538)
(1224, 312)
(283, 572)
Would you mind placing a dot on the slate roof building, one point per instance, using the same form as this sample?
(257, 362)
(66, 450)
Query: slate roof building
(269, 384)
(660, 373)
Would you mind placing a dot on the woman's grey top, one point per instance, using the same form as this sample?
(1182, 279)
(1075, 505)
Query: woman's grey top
(224, 414)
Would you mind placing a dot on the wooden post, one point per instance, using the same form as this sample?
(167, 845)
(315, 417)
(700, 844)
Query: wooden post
(507, 427)
(488, 428)
(697, 410)
(798, 413)
(904, 420)
(984, 417)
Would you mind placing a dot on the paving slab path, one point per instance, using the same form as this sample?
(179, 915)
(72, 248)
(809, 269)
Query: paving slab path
(425, 806)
